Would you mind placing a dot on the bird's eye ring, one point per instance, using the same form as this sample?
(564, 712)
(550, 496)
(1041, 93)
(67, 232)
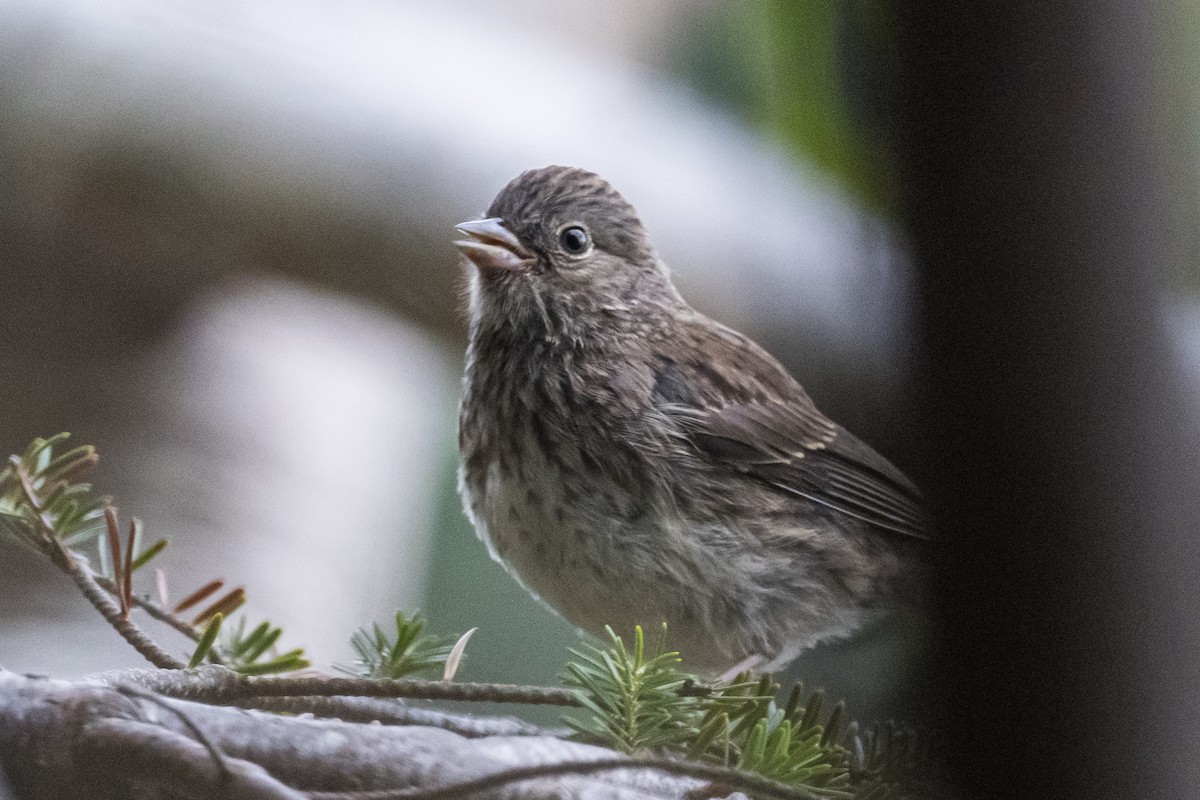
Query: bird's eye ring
(574, 240)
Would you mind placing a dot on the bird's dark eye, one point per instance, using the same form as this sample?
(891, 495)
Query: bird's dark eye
(574, 240)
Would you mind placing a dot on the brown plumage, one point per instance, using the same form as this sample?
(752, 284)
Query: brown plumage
(632, 461)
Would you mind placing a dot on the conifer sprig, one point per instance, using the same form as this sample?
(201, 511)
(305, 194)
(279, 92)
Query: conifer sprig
(410, 651)
(638, 701)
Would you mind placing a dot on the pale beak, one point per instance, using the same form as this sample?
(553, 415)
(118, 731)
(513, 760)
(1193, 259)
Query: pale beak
(492, 246)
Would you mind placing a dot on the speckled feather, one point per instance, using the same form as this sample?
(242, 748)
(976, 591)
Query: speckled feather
(632, 461)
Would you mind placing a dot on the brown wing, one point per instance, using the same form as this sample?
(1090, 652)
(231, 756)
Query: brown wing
(760, 422)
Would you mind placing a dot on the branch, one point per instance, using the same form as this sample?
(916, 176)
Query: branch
(724, 778)
(71, 739)
(126, 751)
(102, 602)
(82, 575)
(394, 712)
(222, 686)
(152, 609)
(157, 612)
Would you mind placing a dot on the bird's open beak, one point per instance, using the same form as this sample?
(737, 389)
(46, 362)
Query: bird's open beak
(492, 246)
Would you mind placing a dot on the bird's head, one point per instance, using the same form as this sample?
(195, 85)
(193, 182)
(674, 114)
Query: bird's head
(560, 245)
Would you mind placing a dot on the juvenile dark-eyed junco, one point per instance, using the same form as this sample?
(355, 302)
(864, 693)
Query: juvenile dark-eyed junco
(631, 461)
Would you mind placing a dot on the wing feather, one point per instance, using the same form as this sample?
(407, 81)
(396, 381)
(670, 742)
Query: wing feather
(762, 424)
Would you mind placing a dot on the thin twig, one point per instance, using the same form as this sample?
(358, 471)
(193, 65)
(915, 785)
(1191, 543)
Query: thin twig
(86, 581)
(153, 610)
(222, 686)
(729, 780)
(129, 631)
(412, 688)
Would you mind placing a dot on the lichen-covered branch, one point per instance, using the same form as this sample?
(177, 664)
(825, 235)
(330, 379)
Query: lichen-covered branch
(61, 739)
(396, 712)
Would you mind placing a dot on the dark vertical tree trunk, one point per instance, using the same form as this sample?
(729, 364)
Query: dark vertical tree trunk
(1060, 460)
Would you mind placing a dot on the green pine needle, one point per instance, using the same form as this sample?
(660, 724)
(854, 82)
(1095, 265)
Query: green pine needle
(634, 701)
(41, 495)
(245, 651)
(412, 650)
(205, 645)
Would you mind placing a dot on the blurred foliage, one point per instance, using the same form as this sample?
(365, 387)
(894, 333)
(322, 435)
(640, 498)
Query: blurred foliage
(816, 75)
(1179, 101)
(890, 760)
(823, 78)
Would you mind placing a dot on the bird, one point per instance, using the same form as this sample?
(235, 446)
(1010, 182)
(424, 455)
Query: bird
(633, 462)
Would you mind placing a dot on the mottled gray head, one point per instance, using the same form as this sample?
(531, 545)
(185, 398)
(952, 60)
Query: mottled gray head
(560, 243)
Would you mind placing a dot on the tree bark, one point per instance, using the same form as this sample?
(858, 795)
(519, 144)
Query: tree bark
(100, 738)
